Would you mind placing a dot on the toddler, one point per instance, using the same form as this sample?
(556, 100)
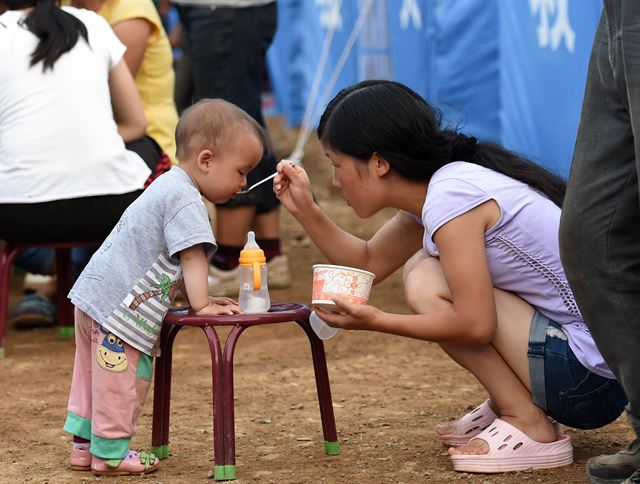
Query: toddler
(161, 243)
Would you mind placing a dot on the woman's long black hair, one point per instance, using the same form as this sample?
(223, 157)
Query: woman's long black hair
(57, 30)
(389, 119)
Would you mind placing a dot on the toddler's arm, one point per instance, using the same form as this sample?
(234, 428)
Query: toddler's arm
(195, 273)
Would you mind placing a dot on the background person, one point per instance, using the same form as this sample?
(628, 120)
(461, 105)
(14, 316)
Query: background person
(226, 43)
(149, 58)
(69, 105)
(600, 226)
(477, 233)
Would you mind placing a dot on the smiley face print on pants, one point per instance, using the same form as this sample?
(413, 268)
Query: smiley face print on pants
(110, 353)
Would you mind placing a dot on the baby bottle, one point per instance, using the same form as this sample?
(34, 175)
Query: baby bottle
(252, 276)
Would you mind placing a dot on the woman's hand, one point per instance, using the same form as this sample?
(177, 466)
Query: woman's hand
(215, 309)
(353, 316)
(292, 187)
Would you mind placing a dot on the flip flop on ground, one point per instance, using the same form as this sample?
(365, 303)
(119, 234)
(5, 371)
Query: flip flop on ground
(511, 450)
(469, 425)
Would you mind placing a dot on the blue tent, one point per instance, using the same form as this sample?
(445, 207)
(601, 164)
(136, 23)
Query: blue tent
(511, 71)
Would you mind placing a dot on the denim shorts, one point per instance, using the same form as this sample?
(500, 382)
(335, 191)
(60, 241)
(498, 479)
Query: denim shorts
(560, 385)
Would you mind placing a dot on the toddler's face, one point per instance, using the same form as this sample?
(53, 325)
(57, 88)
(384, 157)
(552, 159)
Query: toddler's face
(240, 155)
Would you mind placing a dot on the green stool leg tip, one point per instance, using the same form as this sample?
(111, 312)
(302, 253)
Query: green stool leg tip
(230, 472)
(331, 448)
(1, 353)
(65, 331)
(218, 473)
(224, 473)
(161, 452)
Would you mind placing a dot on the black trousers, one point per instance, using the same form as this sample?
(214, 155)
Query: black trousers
(75, 219)
(227, 48)
(600, 225)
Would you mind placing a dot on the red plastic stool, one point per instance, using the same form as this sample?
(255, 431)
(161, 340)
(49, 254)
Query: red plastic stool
(224, 453)
(64, 308)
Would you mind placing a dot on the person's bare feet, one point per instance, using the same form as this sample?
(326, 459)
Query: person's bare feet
(473, 447)
(447, 428)
(536, 426)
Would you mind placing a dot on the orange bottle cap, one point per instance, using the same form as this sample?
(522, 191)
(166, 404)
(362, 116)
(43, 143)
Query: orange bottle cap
(252, 252)
(249, 256)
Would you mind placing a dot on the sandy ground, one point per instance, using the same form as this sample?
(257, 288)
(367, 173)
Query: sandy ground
(388, 393)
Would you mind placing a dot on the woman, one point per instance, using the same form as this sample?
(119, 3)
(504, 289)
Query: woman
(138, 25)
(476, 232)
(149, 59)
(69, 104)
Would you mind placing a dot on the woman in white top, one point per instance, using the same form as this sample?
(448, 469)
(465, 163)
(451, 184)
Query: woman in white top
(68, 105)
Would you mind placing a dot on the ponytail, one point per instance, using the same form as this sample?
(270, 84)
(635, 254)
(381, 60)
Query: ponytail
(495, 157)
(57, 30)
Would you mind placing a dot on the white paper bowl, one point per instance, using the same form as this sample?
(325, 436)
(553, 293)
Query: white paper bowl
(331, 280)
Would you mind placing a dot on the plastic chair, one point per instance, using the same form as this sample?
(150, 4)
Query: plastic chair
(64, 308)
(222, 379)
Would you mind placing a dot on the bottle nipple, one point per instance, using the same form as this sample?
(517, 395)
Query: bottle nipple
(252, 252)
(251, 241)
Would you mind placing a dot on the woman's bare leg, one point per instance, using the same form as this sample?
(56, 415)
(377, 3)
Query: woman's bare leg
(501, 367)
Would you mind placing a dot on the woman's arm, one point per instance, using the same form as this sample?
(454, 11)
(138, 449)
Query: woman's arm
(134, 34)
(127, 105)
(471, 318)
(391, 246)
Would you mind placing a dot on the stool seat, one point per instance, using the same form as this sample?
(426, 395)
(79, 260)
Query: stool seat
(222, 378)
(279, 312)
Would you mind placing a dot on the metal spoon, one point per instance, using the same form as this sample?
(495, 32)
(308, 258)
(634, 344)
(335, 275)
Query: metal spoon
(247, 190)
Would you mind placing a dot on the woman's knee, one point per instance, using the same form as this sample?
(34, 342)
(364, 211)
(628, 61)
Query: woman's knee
(425, 287)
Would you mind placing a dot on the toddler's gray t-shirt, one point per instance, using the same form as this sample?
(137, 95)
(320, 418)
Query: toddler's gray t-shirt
(131, 281)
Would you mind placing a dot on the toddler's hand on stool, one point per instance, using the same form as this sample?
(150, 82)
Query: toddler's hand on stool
(222, 301)
(217, 309)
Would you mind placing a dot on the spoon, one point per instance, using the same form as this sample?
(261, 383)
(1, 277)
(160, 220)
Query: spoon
(247, 190)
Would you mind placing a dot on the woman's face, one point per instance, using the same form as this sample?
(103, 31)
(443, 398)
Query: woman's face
(354, 179)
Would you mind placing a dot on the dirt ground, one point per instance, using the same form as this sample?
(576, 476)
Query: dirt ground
(388, 393)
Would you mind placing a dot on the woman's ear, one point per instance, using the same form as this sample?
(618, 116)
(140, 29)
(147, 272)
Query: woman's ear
(205, 160)
(381, 166)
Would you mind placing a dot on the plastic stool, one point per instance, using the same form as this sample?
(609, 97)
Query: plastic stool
(64, 308)
(224, 456)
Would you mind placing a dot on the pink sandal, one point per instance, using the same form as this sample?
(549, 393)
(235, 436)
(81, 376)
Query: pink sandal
(134, 463)
(80, 458)
(512, 450)
(470, 425)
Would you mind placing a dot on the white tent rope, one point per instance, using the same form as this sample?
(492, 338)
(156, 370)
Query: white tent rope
(313, 94)
(303, 136)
